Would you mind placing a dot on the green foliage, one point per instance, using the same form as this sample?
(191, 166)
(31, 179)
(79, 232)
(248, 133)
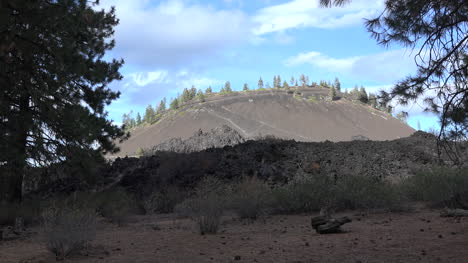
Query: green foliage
(28, 210)
(161, 107)
(201, 97)
(285, 85)
(250, 198)
(139, 121)
(332, 93)
(439, 186)
(115, 205)
(337, 85)
(367, 192)
(312, 99)
(164, 201)
(363, 95)
(226, 89)
(174, 104)
(68, 230)
(402, 116)
(206, 207)
(372, 100)
(292, 81)
(56, 80)
(260, 84)
(150, 115)
(303, 194)
(304, 80)
(246, 87)
(209, 90)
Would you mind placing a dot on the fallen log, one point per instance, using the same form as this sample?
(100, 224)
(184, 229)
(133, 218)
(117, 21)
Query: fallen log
(454, 213)
(326, 225)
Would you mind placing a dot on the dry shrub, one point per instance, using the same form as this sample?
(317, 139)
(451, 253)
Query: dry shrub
(206, 207)
(305, 193)
(366, 192)
(250, 198)
(115, 205)
(440, 186)
(68, 230)
(164, 201)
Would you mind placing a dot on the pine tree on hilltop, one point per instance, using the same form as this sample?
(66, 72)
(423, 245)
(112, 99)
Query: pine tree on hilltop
(201, 96)
(138, 119)
(292, 81)
(363, 95)
(246, 87)
(260, 83)
(337, 85)
(150, 114)
(209, 90)
(285, 85)
(278, 82)
(174, 104)
(161, 107)
(227, 87)
(275, 82)
(332, 93)
(192, 92)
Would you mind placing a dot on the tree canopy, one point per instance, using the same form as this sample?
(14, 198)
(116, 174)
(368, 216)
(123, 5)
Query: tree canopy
(437, 32)
(54, 80)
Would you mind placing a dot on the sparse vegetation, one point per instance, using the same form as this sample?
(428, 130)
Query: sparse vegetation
(68, 230)
(115, 205)
(164, 201)
(250, 198)
(439, 186)
(206, 207)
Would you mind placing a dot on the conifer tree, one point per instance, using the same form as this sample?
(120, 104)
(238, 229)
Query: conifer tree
(285, 85)
(246, 87)
(337, 85)
(209, 90)
(260, 83)
(278, 82)
(227, 87)
(437, 31)
(138, 119)
(150, 115)
(174, 104)
(192, 92)
(161, 107)
(363, 95)
(332, 93)
(275, 82)
(54, 85)
(201, 96)
(303, 80)
(292, 81)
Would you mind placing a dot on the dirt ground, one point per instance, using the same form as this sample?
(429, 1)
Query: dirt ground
(421, 236)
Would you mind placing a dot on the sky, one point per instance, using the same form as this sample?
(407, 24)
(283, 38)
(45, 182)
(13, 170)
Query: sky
(174, 44)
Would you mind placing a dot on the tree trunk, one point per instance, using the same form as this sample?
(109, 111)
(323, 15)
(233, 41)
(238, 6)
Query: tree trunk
(17, 161)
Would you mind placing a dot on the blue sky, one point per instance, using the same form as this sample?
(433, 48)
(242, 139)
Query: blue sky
(174, 44)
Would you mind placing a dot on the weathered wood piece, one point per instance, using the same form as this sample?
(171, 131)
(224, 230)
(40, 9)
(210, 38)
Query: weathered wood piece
(454, 213)
(325, 225)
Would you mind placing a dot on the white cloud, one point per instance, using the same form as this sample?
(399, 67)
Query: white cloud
(322, 61)
(173, 33)
(142, 88)
(308, 13)
(388, 66)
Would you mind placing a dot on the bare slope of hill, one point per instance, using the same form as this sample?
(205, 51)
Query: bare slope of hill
(306, 117)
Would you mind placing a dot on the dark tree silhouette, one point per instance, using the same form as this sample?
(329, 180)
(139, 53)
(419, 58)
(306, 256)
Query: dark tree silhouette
(53, 83)
(437, 32)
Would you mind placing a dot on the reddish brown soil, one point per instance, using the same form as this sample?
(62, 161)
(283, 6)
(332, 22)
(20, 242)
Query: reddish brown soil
(411, 237)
